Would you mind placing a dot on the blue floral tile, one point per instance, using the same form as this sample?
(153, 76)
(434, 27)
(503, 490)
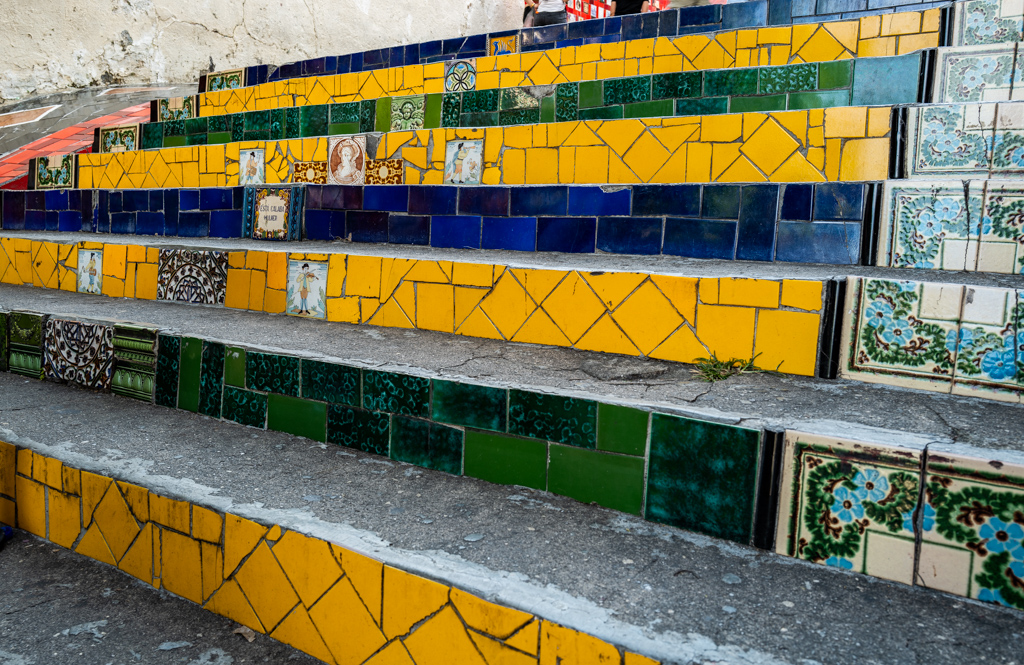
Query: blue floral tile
(974, 74)
(1008, 143)
(1002, 229)
(928, 226)
(949, 140)
(987, 349)
(987, 22)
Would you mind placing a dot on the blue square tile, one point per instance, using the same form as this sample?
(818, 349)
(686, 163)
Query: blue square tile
(409, 229)
(341, 197)
(700, 238)
(314, 197)
(796, 202)
(750, 14)
(193, 224)
(366, 226)
(595, 201)
(839, 202)
(215, 198)
(56, 199)
(75, 198)
(492, 201)
(387, 198)
(668, 23)
(531, 201)
(474, 43)
(238, 197)
(591, 28)
(156, 200)
(52, 220)
(122, 222)
(834, 243)
(721, 202)
(135, 200)
(35, 220)
(613, 26)
(433, 200)
(188, 200)
(171, 197)
(149, 224)
(226, 224)
(37, 200)
(324, 224)
(70, 220)
(574, 235)
(629, 235)
(512, 233)
(456, 232)
(14, 210)
(780, 12)
(344, 64)
(759, 206)
(675, 200)
(430, 49)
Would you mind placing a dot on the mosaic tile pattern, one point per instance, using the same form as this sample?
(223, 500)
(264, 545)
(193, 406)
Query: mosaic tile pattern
(53, 172)
(25, 345)
(460, 76)
(273, 213)
(118, 139)
(950, 140)
(168, 364)
(135, 362)
(78, 353)
(987, 22)
(974, 73)
(192, 276)
(175, 108)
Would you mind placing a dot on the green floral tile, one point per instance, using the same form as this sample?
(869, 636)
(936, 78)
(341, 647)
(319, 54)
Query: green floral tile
(480, 101)
(627, 90)
(566, 102)
(987, 22)
(723, 82)
(328, 382)
(344, 113)
(974, 74)
(234, 367)
(293, 122)
(950, 140)
(396, 393)
(271, 373)
(506, 460)
(621, 429)
(677, 85)
(470, 406)
(428, 445)
(788, 78)
(703, 476)
(167, 364)
(451, 109)
(190, 373)
(245, 407)
(553, 418)
(300, 417)
(612, 481)
(367, 115)
(926, 226)
(1002, 229)
(987, 362)
(368, 431)
(519, 117)
(211, 381)
(407, 113)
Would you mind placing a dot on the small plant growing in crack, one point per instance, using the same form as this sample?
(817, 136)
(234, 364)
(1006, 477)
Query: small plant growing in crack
(712, 369)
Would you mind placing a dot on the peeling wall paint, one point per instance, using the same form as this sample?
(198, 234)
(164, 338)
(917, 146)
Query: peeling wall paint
(47, 47)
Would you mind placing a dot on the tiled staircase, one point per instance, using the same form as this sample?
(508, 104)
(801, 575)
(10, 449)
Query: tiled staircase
(679, 187)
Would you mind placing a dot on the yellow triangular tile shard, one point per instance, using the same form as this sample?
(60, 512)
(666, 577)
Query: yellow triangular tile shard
(647, 317)
(606, 337)
(346, 627)
(507, 306)
(95, 547)
(527, 639)
(613, 287)
(443, 640)
(138, 561)
(229, 601)
(683, 346)
(116, 522)
(309, 565)
(266, 586)
(564, 645)
(478, 325)
(496, 653)
(240, 538)
(540, 329)
(298, 631)
(495, 620)
(408, 599)
(393, 654)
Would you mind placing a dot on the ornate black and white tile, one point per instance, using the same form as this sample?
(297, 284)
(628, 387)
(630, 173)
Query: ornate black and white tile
(192, 276)
(78, 353)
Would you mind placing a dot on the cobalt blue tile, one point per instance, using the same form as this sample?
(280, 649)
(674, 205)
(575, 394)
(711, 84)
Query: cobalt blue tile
(226, 224)
(215, 198)
(474, 43)
(607, 39)
(591, 28)
(116, 199)
(135, 200)
(52, 220)
(75, 198)
(14, 209)
(759, 205)
(188, 199)
(721, 202)
(676, 200)
(122, 222)
(149, 223)
(430, 49)
(313, 197)
(409, 230)
(156, 200)
(367, 226)
(412, 55)
(70, 220)
(35, 220)
(700, 238)
(451, 46)
(457, 232)
(613, 26)
(835, 243)
(397, 56)
(566, 43)
(796, 202)
(170, 212)
(483, 200)
(317, 224)
(57, 199)
(331, 64)
(513, 233)
(36, 200)
(575, 235)
(388, 198)
(549, 34)
(629, 235)
(315, 66)
(433, 200)
(102, 224)
(372, 58)
(632, 26)
(193, 224)
(344, 64)
(341, 197)
(839, 202)
(237, 197)
(595, 201)
(356, 62)
(745, 15)
(527, 201)
(668, 23)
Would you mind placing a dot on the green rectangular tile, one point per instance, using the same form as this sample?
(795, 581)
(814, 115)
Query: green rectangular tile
(730, 82)
(168, 369)
(344, 113)
(591, 94)
(300, 417)
(271, 373)
(819, 100)
(245, 407)
(196, 139)
(629, 90)
(343, 128)
(257, 121)
(328, 382)
(313, 120)
(218, 123)
(659, 108)
(621, 429)
(601, 113)
(175, 141)
(834, 74)
(702, 106)
(396, 393)
(553, 418)
(426, 444)
(211, 381)
(547, 109)
(292, 122)
(519, 117)
(506, 460)
(196, 126)
(368, 114)
(451, 104)
(612, 481)
(234, 367)
(190, 373)
(787, 78)
(432, 112)
(470, 406)
(368, 431)
(566, 102)
(479, 119)
(216, 138)
(758, 103)
(481, 101)
(676, 85)
(152, 135)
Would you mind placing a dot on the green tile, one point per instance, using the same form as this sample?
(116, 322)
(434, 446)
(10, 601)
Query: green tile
(519, 117)
(271, 373)
(547, 109)
(175, 141)
(819, 100)
(383, 122)
(787, 78)
(703, 106)
(601, 113)
(234, 367)
(612, 481)
(3, 344)
(256, 121)
(425, 444)
(190, 373)
(730, 82)
(196, 139)
(168, 368)
(432, 117)
(470, 406)
(627, 90)
(591, 94)
(300, 417)
(152, 135)
(567, 102)
(679, 84)
(834, 74)
(313, 120)
(661, 107)
(452, 109)
(196, 126)
(174, 128)
(257, 136)
(219, 123)
(517, 98)
(245, 407)
(553, 418)
(480, 101)
(758, 103)
(344, 113)
(328, 382)
(478, 120)
(396, 393)
(292, 122)
(702, 476)
(368, 114)
(621, 429)
(368, 431)
(279, 124)
(343, 128)
(506, 460)
(216, 138)
(211, 381)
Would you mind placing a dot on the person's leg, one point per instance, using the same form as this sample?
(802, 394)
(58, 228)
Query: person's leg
(549, 18)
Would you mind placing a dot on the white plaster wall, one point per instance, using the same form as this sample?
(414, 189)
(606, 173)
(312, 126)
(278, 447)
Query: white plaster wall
(61, 44)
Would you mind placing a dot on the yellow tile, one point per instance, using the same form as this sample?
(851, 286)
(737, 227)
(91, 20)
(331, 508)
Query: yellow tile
(728, 332)
(870, 26)
(540, 329)
(392, 654)
(527, 639)
(698, 162)
(408, 599)
(591, 165)
(137, 499)
(495, 620)
(65, 518)
(473, 274)
(881, 46)
(865, 159)
(637, 659)
(181, 566)
(170, 513)
(206, 524)
(266, 586)
(230, 602)
(363, 277)
(878, 121)
(911, 43)
(748, 292)
(787, 341)
(341, 606)
(47, 470)
(563, 646)
(613, 287)
(514, 167)
(903, 23)
(91, 545)
(647, 317)
(277, 271)
(237, 291)
(298, 631)
(573, 306)
(116, 522)
(114, 260)
(769, 146)
(541, 166)
(212, 563)
(435, 307)
(845, 122)
(821, 47)
(146, 281)
(240, 537)
(93, 489)
(138, 560)
(607, 337)
(620, 134)
(309, 565)
(801, 294)
(72, 478)
(646, 157)
(345, 310)
(507, 306)
(833, 148)
(930, 20)
(257, 290)
(443, 640)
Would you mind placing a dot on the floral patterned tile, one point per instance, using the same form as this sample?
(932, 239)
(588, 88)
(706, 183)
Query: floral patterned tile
(974, 73)
(986, 363)
(972, 527)
(849, 504)
(1002, 229)
(1008, 142)
(927, 225)
(950, 140)
(988, 21)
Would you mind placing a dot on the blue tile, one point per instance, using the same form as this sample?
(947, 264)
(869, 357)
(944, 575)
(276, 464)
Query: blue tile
(367, 226)
(387, 198)
(700, 238)
(170, 212)
(668, 23)
(753, 13)
(215, 198)
(834, 243)
(75, 198)
(842, 202)
(474, 43)
(780, 12)
(344, 64)
(52, 220)
(886, 81)
(409, 230)
(56, 199)
(149, 224)
(14, 210)
(452, 46)
(411, 55)
(796, 202)
(188, 199)
(458, 232)
(531, 201)
(491, 201)
(356, 62)
(591, 28)
(237, 197)
(226, 224)
(675, 200)
(721, 202)
(613, 26)
(314, 197)
(193, 224)
(122, 222)
(156, 200)
(433, 200)
(575, 235)
(341, 197)
(430, 49)
(324, 224)
(135, 200)
(35, 220)
(567, 43)
(595, 201)
(629, 235)
(759, 205)
(102, 224)
(70, 220)
(513, 233)
(37, 201)
(632, 26)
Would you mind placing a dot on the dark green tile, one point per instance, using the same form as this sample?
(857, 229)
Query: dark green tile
(328, 382)
(257, 121)
(293, 122)
(272, 373)
(835, 74)
(300, 417)
(758, 103)
(175, 141)
(344, 113)
(601, 113)
(258, 136)
(451, 109)
(152, 135)
(211, 382)
(730, 82)
(478, 120)
(519, 117)
(278, 124)
(425, 444)
(506, 460)
(196, 139)
(566, 102)
(591, 94)
(787, 78)
(659, 108)
(234, 367)
(612, 481)
(313, 120)
(168, 363)
(238, 129)
(480, 101)
(621, 429)
(396, 393)
(245, 407)
(355, 428)
(819, 100)
(702, 476)
(3, 342)
(383, 122)
(218, 123)
(343, 128)
(679, 84)
(432, 112)
(627, 90)
(553, 418)
(215, 138)
(703, 106)
(470, 406)
(368, 114)
(174, 128)
(191, 371)
(547, 109)
(196, 126)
